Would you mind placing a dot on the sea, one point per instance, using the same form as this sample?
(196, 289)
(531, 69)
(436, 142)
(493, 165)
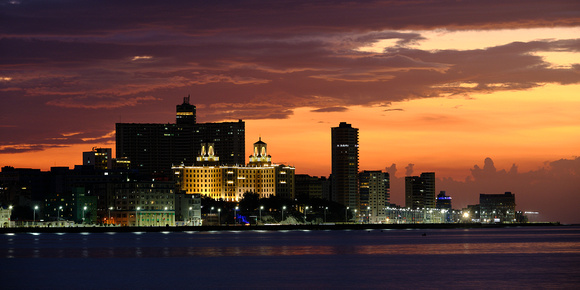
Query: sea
(482, 258)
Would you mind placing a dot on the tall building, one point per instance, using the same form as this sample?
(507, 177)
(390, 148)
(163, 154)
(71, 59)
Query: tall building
(230, 182)
(185, 113)
(228, 139)
(345, 165)
(420, 191)
(374, 190)
(154, 148)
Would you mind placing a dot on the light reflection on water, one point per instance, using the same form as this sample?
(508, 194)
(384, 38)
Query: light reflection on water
(390, 259)
(290, 243)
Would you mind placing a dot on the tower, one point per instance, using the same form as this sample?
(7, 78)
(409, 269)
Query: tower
(185, 113)
(260, 156)
(345, 165)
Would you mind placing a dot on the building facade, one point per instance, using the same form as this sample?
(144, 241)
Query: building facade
(344, 140)
(154, 148)
(374, 188)
(100, 158)
(229, 183)
(420, 191)
(497, 208)
(143, 203)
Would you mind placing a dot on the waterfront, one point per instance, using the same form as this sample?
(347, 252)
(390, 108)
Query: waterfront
(525, 257)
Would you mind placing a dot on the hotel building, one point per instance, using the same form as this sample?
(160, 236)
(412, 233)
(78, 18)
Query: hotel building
(230, 182)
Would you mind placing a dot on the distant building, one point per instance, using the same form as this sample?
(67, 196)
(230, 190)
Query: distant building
(188, 209)
(420, 191)
(443, 201)
(344, 141)
(5, 213)
(308, 187)
(498, 208)
(154, 148)
(143, 203)
(100, 158)
(374, 187)
(230, 182)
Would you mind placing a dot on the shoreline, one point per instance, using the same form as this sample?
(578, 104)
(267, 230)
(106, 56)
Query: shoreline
(319, 227)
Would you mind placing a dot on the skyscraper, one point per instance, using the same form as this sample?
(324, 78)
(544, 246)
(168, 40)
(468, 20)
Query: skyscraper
(345, 165)
(420, 191)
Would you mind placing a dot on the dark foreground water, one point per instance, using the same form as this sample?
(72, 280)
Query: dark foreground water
(379, 259)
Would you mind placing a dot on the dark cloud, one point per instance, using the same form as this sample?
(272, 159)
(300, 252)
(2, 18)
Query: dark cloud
(409, 169)
(330, 109)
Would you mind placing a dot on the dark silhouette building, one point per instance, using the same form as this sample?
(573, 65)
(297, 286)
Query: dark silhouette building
(443, 201)
(497, 208)
(154, 148)
(420, 191)
(345, 165)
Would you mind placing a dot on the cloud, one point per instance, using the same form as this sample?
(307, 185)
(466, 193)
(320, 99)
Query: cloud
(330, 109)
(409, 169)
(260, 60)
(86, 102)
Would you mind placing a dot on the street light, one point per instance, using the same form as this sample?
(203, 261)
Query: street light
(166, 218)
(305, 209)
(58, 213)
(219, 216)
(283, 208)
(111, 208)
(137, 215)
(346, 214)
(325, 213)
(235, 211)
(34, 214)
(211, 210)
(84, 209)
(189, 215)
(355, 215)
(261, 208)
(368, 214)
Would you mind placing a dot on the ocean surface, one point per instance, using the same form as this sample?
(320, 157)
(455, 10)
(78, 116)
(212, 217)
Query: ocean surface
(526, 257)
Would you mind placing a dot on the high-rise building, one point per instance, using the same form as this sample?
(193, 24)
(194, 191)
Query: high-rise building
(185, 113)
(154, 148)
(374, 190)
(420, 191)
(345, 165)
(228, 138)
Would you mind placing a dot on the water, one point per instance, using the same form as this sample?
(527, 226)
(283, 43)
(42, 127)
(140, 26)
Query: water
(458, 258)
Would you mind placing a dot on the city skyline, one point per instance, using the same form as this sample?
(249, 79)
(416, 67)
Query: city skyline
(482, 93)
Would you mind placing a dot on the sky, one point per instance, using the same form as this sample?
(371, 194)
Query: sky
(484, 93)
